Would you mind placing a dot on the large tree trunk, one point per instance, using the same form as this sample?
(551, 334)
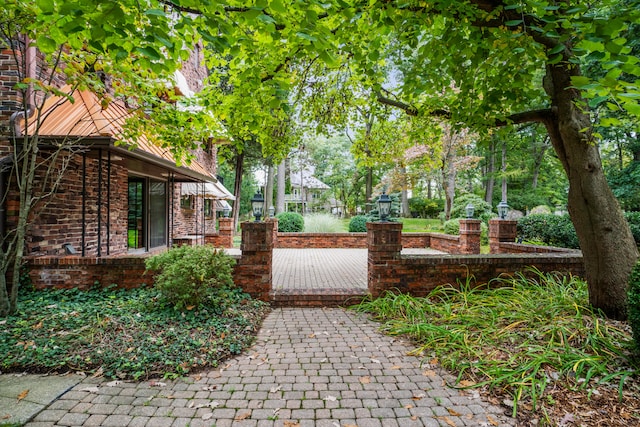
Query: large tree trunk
(606, 241)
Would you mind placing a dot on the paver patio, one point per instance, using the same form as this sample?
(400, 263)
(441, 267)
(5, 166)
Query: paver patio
(308, 367)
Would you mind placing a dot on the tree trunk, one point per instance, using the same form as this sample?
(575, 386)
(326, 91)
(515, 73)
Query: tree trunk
(449, 186)
(405, 196)
(268, 191)
(490, 175)
(503, 168)
(237, 185)
(606, 241)
(281, 187)
(368, 189)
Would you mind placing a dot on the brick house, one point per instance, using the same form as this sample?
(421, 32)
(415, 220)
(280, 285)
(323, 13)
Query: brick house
(111, 200)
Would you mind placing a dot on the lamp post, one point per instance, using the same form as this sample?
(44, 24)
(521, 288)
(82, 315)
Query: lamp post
(226, 210)
(470, 209)
(257, 204)
(384, 206)
(503, 209)
(272, 210)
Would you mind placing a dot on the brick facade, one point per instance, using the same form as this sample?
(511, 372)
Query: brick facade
(88, 209)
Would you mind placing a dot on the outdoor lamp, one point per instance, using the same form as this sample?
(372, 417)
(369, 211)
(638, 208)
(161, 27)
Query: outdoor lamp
(469, 209)
(226, 210)
(272, 210)
(503, 209)
(384, 206)
(257, 204)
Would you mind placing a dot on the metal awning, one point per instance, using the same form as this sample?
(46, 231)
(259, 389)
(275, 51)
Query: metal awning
(210, 190)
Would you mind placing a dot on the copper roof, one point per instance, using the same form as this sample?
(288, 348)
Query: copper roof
(87, 117)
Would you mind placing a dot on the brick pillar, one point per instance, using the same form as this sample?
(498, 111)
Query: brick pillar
(225, 231)
(384, 244)
(253, 272)
(501, 230)
(274, 222)
(469, 236)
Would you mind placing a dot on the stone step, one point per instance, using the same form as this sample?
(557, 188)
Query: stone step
(318, 297)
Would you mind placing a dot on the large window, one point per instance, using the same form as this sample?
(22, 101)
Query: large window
(147, 213)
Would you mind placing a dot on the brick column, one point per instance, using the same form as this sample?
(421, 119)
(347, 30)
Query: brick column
(254, 269)
(384, 244)
(469, 236)
(225, 231)
(501, 230)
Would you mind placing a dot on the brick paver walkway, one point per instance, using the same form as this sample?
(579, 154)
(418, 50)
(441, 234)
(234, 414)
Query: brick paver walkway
(324, 268)
(309, 367)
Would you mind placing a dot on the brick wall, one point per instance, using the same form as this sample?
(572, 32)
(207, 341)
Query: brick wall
(87, 272)
(388, 269)
(58, 218)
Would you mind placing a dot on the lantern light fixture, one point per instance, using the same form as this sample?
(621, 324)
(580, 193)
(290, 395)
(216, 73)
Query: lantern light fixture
(384, 206)
(257, 204)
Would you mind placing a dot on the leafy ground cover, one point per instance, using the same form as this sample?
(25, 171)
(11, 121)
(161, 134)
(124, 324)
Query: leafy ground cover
(126, 334)
(533, 345)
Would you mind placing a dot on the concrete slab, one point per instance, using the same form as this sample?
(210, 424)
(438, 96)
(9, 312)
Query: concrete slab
(23, 396)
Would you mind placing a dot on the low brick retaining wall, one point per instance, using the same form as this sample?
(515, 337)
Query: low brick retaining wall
(420, 274)
(442, 242)
(87, 272)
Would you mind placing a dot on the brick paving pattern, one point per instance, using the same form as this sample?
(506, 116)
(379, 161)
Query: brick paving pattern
(309, 367)
(323, 268)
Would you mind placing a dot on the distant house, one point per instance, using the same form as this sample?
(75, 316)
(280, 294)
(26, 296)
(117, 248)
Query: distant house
(111, 199)
(307, 192)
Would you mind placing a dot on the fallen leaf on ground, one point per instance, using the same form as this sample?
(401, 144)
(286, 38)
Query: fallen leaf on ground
(22, 395)
(467, 383)
(447, 420)
(207, 416)
(311, 335)
(409, 406)
(396, 367)
(429, 373)
(453, 412)
(365, 380)
(209, 387)
(91, 389)
(492, 420)
(113, 383)
(350, 425)
(291, 424)
(418, 396)
(375, 361)
(330, 398)
(275, 389)
(157, 384)
(242, 416)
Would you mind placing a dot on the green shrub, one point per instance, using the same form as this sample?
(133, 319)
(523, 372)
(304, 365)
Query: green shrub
(554, 230)
(322, 223)
(633, 218)
(633, 304)
(482, 209)
(425, 208)
(358, 224)
(290, 222)
(187, 277)
(453, 227)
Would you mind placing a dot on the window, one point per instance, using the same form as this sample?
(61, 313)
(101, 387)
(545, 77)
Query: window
(187, 202)
(208, 208)
(148, 213)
